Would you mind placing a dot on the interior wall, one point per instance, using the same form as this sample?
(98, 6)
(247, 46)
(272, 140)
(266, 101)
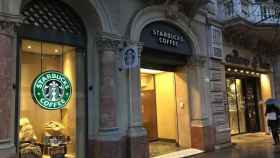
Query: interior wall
(166, 105)
(266, 93)
(30, 68)
(183, 110)
(69, 112)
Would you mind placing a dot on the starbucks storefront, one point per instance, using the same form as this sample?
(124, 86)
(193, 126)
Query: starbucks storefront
(49, 76)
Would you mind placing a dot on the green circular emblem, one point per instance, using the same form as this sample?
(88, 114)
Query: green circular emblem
(51, 90)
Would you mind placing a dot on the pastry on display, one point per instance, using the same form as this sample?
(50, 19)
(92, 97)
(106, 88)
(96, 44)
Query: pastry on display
(54, 128)
(27, 137)
(26, 132)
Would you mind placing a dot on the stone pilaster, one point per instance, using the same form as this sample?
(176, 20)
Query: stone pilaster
(218, 102)
(201, 131)
(7, 88)
(109, 142)
(137, 135)
(276, 76)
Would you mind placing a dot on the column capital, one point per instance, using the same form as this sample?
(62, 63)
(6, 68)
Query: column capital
(9, 23)
(108, 41)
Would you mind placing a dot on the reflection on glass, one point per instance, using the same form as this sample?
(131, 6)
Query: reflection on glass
(241, 106)
(46, 132)
(236, 103)
(233, 116)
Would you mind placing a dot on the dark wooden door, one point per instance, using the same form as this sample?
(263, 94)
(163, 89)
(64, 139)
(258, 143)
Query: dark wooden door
(251, 104)
(149, 113)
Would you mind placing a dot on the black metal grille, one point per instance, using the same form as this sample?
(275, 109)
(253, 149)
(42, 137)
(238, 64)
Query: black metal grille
(52, 15)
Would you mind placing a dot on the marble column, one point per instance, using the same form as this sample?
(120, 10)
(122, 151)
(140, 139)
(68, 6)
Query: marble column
(7, 88)
(109, 142)
(202, 133)
(138, 144)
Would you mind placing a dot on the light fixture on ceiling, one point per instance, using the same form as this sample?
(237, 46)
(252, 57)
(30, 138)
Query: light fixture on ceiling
(235, 70)
(242, 71)
(29, 47)
(56, 50)
(229, 69)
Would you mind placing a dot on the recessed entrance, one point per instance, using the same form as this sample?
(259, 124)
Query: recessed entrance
(244, 92)
(163, 111)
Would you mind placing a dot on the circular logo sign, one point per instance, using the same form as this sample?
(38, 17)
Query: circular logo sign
(51, 90)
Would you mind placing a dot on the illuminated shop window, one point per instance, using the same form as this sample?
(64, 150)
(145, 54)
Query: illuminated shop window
(47, 132)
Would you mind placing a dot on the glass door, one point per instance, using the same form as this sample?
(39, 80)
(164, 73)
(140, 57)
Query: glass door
(251, 104)
(236, 102)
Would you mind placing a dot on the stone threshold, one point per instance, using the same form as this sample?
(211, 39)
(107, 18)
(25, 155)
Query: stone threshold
(181, 153)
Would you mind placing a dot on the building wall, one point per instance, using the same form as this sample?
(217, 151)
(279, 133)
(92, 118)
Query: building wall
(116, 126)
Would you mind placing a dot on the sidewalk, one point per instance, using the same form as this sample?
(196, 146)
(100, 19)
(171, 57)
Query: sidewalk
(257, 145)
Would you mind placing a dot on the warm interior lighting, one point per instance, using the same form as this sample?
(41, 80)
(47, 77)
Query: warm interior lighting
(241, 71)
(232, 87)
(235, 70)
(56, 50)
(150, 71)
(29, 47)
(247, 72)
(229, 69)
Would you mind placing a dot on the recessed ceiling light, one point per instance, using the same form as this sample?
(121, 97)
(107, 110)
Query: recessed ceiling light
(29, 47)
(229, 69)
(56, 50)
(241, 71)
(235, 70)
(247, 72)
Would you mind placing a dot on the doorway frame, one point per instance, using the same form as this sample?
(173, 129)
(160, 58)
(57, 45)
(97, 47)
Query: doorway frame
(257, 97)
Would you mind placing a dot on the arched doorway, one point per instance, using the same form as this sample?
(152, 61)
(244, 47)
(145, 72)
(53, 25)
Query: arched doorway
(51, 70)
(164, 87)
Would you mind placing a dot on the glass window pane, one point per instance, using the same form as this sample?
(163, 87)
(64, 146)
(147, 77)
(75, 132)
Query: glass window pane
(233, 116)
(46, 131)
(241, 106)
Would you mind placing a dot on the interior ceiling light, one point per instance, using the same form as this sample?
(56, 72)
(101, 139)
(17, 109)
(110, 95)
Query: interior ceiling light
(56, 50)
(235, 70)
(229, 69)
(247, 72)
(29, 47)
(241, 71)
(150, 71)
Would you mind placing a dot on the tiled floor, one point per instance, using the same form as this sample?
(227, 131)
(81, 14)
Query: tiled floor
(162, 147)
(257, 145)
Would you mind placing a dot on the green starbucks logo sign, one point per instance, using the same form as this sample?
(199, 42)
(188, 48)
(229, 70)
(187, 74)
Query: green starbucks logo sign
(51, 90)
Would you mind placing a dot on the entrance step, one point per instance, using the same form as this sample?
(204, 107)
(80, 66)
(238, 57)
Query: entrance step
(181, 153)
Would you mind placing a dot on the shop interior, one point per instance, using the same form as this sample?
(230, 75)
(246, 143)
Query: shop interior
(46, 132)
(246, 92)
(163, 111)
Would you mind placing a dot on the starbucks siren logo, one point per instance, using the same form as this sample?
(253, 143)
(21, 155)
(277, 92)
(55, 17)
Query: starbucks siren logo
(51, 90)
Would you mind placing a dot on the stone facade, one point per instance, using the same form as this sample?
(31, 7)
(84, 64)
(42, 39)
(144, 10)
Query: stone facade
(114, 123)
